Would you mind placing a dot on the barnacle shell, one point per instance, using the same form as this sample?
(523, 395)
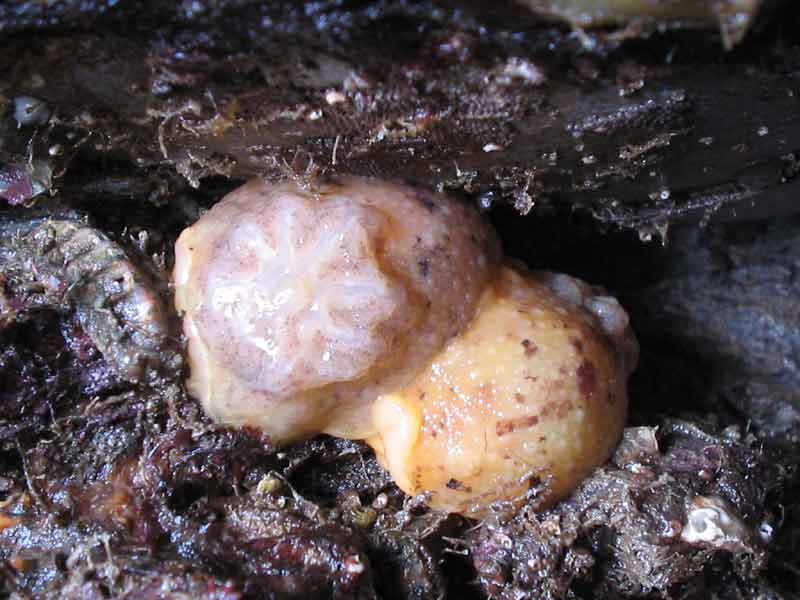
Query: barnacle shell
(56, 260)
(732, 16)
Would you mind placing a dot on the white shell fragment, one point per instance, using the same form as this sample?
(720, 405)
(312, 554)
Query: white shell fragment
(711, 520)
(733, 17)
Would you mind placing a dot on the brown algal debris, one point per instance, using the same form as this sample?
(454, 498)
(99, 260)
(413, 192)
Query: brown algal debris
(20, 563)
(6, 521)
(455, 484)
(530, 348)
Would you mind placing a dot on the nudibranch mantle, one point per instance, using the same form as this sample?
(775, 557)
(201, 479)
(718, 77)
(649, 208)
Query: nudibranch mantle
(300, 306)
(378, 311)
(533, 392)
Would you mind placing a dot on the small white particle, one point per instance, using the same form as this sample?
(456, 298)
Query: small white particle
(766, 531)
(354, 565)
(334, 97)
(517, 68)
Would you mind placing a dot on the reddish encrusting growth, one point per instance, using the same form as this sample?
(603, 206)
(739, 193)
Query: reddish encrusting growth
(15, 184)
(511, 425)
(556, 409)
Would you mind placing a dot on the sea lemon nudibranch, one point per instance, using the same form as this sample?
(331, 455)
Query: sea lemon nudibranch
(533, 391)
(378, 311)
(302, 306)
